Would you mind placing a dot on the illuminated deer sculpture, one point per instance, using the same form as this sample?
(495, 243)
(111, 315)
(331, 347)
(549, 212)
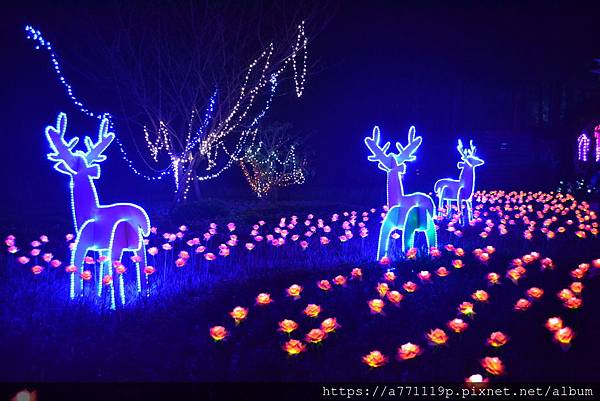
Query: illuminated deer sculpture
(407, 212)
(460, 190)
(108, 229)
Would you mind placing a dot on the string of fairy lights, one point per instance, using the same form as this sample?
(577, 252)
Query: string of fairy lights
(269, 171)
(209, 144)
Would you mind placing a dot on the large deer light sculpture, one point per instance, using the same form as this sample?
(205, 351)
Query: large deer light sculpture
(108, 229)
(407, 212)
(461, 190)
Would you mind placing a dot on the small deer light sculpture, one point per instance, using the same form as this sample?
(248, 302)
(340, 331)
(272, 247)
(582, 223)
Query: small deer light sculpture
(461, 190)
(108, 229)
(407, 212)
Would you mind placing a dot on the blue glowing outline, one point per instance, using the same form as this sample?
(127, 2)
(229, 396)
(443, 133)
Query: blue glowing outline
(468, 160)
(394, 163)
(93, 172)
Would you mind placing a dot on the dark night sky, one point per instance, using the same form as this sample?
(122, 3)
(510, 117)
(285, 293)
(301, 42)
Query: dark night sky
(452, 69)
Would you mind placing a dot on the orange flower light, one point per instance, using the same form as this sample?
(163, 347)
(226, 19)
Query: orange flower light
(522, 305)
(457, 325)
(394, 297)
(476, 379)
(375, 359)
(71, 269)
(409, 286)
(466, 308)
(497, 339)
(564, 335)
(312, 310)
(294, 291)
(287, 326)
(37, 269)
(408, 351)
(376, 305)
(339, 280)
(442, 271)
(107, 280)
(239, 314)
(329, 325)
(294, 347)
(385, 261)
(481, 296)
(437, 337)
(576, 287)
(263, 299)
(411, 253)
(535, 293)
(554, 324)
(389, 276)
(565, 294)
(382, 289)
(356, 273)
(86, 275)
(457, 264)
(149, 270)
(218, 333)
(324, 285)
(573, 303)
(493, 365)
(315, 336)
(424, 275)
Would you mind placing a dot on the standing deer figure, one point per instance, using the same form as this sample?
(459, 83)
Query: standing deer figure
(460, 190)
(407, 212)
(112, 229)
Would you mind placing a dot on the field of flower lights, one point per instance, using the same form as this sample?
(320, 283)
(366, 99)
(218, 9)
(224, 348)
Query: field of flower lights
(513, 296)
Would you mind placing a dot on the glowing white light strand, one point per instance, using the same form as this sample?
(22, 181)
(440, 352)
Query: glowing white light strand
(583, 147)
(211, 144)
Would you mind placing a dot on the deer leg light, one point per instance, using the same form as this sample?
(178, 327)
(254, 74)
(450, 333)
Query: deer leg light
(110, 230)
(410, 213)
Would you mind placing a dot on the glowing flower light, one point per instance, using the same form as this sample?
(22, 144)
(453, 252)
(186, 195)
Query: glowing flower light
(522, 305)
(37, 269)
(376, 306)
(477, 378)
(535, 293)
(409, 286)
(466, 308)
(457, 264)
(339, 280)
(263, 299)
(442, 271)
(564, 335)
(312, 310)
(554, 324)
(382, 289)
(218, 333)
(394, 297)
(287, 326)
(148, 270)
(239, 314)
(294, 291)
(497, 339)
(375, 359)
(86, 275)
(324, 285)
(437, 337)
(480, 295)
(294, 347)
(356, 273)
(315, 336)
(493, 365)
(408, 351)
(457, 325)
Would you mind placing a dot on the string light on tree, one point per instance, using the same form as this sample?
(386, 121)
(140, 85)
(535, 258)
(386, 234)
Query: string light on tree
(241, 119)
